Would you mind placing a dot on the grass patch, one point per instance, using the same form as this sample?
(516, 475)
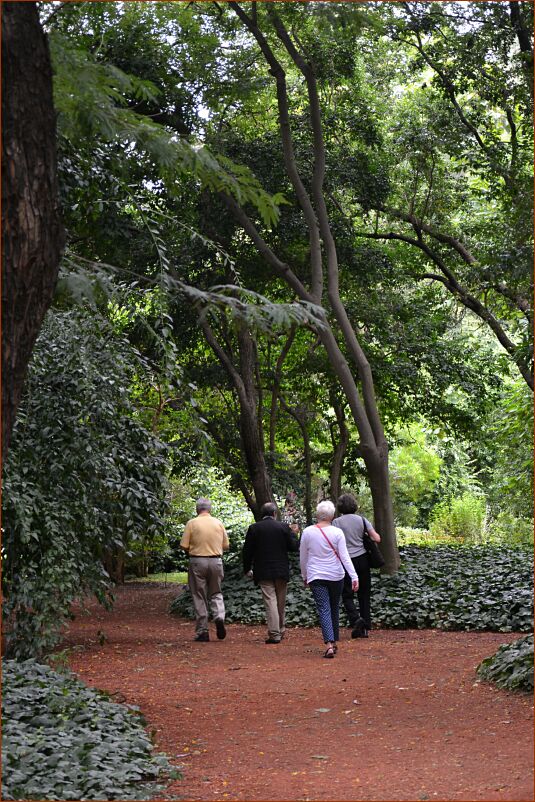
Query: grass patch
(175, 577)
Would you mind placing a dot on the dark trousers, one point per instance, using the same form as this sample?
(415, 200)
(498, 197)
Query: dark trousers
(362, 567)
(326, 594)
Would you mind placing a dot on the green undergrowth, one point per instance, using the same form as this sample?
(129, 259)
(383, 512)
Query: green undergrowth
(62, 740)
(511, 667)
(454, 588)
(172, 578)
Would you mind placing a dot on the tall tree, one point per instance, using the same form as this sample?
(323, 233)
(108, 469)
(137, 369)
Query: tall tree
(33, 234)
(322, 245)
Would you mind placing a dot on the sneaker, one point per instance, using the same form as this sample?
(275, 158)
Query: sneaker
(271, 640)
(220, 629)
(202, 636)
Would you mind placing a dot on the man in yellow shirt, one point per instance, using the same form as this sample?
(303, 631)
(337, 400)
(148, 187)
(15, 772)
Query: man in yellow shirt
(204, 540)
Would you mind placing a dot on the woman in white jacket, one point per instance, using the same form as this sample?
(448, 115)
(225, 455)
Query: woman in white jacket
(324, 560)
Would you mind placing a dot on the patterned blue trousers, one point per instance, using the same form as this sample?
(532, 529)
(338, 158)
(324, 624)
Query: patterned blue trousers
(327, 597)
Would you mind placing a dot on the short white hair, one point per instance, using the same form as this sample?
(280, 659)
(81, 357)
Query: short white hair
(203, 505)
(325, 511)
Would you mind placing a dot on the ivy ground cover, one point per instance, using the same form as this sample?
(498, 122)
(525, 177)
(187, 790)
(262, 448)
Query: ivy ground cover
(61, 740)
(452, 588)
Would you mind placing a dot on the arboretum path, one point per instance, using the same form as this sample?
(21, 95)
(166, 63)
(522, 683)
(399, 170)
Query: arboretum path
(399, 716)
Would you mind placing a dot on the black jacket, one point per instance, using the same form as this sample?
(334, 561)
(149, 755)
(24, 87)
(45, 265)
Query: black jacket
(266, 548)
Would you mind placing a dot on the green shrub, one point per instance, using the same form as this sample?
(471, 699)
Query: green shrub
(510, 530)
(447, 587)
(461, 518)
(411, 536)
(511, 667)
(62, 740)
(82, 480)
(211, 483)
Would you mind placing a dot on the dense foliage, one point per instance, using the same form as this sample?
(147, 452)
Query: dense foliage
(163, 110)
(447, 587)
(207, 482)
(62, 740)
(82, 481)
(511, 667)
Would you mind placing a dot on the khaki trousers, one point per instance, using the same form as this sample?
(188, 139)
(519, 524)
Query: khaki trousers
(274, 595)
(205, 575)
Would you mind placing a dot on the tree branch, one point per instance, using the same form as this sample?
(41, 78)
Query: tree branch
(316, 285)
(466, 299)
(281, 268)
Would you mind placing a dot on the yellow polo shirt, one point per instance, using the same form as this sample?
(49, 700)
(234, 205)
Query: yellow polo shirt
(204, 536)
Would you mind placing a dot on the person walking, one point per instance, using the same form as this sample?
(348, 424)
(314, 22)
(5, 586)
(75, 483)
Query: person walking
(324, 559)
(205, 539)
(265, 550)
(352, 525)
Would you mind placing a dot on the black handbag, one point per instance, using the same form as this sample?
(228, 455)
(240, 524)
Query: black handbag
(375, 558)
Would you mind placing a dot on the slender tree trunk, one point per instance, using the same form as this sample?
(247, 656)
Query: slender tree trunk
(301, 417)
(243, 380)
(33, 235)
(339, 450)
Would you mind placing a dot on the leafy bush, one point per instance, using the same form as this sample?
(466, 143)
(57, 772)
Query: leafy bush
(511, 667)
(62, 740)
(82, 479)
(209, 482)
(510, 530)
(470, 588)
(462, 518)
(414, 470)
(411, 536)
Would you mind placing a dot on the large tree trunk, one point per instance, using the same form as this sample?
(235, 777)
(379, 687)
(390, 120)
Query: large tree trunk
(373, 447)
(32, 231)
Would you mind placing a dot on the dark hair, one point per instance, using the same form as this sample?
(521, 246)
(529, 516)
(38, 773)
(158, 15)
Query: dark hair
(346, 504)
(269, 508)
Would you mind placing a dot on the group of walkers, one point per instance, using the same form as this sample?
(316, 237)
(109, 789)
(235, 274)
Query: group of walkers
(333, 561)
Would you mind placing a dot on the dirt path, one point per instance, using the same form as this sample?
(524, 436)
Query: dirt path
(399, 716)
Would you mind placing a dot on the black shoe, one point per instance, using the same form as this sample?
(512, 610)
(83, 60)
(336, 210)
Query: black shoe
(202, 636)
(359, 629)
(220, 629)
(271, 640)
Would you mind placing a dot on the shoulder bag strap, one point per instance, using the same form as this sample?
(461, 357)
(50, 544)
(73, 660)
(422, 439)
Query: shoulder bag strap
(328, 541)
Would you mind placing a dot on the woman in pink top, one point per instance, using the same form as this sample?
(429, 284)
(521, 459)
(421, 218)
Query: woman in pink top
(324, 560)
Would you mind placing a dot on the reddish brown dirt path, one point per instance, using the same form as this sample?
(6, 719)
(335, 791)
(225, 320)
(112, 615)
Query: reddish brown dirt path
(399, 716)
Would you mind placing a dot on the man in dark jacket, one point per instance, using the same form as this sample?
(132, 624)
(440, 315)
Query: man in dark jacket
(266, 548)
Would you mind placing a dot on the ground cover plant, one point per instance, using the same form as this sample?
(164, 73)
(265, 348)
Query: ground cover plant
(511, 667)
(62, 740)
(456, 588)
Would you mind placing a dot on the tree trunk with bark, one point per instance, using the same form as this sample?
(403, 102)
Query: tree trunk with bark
(340, 445)
(302, 417)
(33, 235)
(251, 439)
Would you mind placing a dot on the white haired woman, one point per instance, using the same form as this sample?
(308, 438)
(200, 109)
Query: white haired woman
(324, 560)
